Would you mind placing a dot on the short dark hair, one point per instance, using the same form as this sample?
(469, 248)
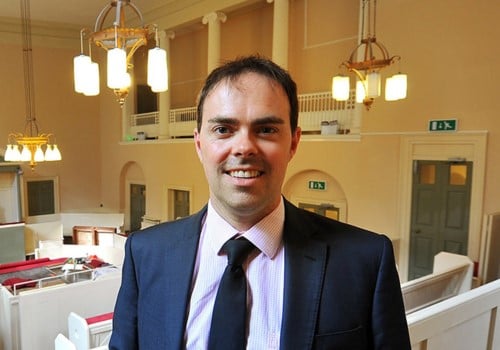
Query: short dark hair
(256, 64)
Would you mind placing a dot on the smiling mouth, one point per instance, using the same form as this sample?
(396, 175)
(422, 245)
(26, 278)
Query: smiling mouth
(245, 174)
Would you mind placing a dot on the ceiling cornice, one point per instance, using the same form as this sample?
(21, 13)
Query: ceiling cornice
(47, 34)
(174, 15)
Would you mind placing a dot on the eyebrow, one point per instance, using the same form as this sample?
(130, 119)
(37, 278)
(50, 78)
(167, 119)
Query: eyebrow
(234, 121)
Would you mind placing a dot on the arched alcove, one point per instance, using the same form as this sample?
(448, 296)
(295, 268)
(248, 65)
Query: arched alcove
(316, 188)
(131, 173)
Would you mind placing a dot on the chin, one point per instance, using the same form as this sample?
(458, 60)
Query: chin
(251, 205)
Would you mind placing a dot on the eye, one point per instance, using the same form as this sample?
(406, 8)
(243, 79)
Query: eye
(221, 130)
(268, 130)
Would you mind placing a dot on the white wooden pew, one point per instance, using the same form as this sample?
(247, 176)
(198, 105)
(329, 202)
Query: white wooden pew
(32, 318)
(452, 275)
(63, 343)
(467, 321)
(89, 333)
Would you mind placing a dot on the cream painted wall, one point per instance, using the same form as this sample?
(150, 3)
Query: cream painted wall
(73, 119)
(366, 171)
(447, 49)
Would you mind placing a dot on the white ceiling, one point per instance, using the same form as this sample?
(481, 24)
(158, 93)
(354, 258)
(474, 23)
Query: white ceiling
(77, 12)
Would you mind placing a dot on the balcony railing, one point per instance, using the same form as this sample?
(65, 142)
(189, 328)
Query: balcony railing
(314, 109)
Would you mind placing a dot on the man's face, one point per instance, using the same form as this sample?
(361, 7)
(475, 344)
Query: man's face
(245, 143)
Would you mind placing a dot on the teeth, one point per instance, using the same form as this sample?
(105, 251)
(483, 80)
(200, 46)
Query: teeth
(244, 173)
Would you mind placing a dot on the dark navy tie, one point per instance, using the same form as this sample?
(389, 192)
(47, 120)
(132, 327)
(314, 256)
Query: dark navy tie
(228, 328)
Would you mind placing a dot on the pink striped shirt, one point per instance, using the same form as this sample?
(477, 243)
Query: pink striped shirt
(265, 274)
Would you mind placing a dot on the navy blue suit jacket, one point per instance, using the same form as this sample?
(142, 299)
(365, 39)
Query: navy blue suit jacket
(341, 287)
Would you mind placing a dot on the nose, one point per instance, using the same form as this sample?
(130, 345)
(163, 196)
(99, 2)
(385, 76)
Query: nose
(244, 144)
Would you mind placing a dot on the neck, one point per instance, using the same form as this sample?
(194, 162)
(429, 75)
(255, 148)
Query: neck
(242, 219)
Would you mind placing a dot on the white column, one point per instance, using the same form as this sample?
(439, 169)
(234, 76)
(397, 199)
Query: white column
(280, 32)
(213, 19)
(164, 98)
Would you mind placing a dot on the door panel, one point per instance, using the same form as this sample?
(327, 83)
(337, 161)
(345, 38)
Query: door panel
(40, 197)
(181, 204)
(453, 247)
(440, 212)
(328, 210)
(137, 205)
(423, 245)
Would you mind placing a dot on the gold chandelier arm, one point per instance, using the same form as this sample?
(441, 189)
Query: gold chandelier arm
(359, 75)
(140, 42)
(137, 12)
(157, 38)
(82, 35)
(101, 16)
(12, 137)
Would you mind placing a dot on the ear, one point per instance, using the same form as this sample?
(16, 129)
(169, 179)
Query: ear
(295, 141)
(197, 144)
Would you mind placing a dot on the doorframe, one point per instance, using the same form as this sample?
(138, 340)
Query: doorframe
(128, 182)
(470, 146)
(167, 204)
(340, 204)
(25, 194)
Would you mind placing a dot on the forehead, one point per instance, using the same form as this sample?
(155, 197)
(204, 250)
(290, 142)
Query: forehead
(249, 96)
(248, 83)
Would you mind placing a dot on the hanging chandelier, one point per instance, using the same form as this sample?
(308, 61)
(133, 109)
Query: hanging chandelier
(120, 42)
(30, 146)
(366, 61)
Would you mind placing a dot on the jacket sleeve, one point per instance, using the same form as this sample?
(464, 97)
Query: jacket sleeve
(124, 335)
(390, 330)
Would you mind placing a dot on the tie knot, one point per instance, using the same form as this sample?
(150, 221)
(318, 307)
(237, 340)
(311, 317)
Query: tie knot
(237, 250)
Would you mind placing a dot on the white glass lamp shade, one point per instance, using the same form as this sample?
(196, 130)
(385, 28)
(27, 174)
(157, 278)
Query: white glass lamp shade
(373, 84)
(80, 67)
(25, 154)
(157, 69)
(13, 155)
(56, 154)
(49, 155)
(52, 153)
(360, 91)
(8, 153)
(401, 84)
(39, 156)
(117, 67)
(390, 90)
(92, 83)
(340, 88)
(395, 87)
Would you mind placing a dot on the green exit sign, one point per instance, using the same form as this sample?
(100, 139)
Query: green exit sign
(317, 185)
(443, 125)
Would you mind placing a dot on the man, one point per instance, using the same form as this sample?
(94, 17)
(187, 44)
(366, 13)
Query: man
(313, 283)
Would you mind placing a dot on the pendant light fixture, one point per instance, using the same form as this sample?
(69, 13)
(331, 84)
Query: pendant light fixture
(120, 42)
(30, 146)
(366, 61)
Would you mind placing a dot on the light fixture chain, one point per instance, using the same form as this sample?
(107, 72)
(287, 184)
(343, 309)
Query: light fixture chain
(363, 20)
(29, 85)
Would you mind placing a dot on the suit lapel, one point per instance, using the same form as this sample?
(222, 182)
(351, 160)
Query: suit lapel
(180, 272)
(305, 261)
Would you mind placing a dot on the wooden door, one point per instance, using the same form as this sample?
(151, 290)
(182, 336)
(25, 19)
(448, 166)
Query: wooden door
(328, 210)
(439, 212)
(137, 205)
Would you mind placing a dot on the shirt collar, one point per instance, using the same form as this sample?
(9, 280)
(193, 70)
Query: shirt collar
(266, 235)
